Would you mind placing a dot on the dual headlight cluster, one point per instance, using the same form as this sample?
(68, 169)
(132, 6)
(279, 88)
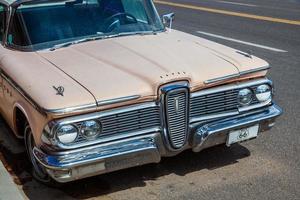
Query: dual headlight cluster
(67, 134)
(263, 93)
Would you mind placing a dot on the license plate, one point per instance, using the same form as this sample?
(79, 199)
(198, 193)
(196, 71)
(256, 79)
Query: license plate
(242, 135)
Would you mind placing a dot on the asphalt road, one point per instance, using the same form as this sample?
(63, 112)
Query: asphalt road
(266, 168)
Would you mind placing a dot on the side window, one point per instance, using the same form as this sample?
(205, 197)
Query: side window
(2, 21)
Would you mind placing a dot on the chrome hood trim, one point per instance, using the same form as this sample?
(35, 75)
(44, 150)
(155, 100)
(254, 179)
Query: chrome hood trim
(225, 78)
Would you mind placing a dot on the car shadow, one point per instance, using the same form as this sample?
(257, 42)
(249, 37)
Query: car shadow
(180, 165)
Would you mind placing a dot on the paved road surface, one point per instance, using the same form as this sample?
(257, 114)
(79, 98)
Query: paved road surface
(267, 168)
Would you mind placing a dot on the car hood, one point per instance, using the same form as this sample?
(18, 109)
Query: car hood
(138, 65)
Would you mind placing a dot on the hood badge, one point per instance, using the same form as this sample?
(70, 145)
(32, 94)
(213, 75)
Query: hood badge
(176, 102)
(59, 90)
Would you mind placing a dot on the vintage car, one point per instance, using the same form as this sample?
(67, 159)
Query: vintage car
(95, 86)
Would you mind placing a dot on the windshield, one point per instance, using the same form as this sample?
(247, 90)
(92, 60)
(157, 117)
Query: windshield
(43, 25)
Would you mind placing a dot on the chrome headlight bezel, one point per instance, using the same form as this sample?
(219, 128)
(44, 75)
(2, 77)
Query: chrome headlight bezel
(88, 126)
(263, 93)
(67, 134)
(245, 97)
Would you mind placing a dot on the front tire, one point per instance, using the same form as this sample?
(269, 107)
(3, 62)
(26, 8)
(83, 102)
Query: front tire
(38, 171)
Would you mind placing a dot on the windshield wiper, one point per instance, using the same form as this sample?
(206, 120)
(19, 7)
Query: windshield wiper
(129, 33)
(66, 44)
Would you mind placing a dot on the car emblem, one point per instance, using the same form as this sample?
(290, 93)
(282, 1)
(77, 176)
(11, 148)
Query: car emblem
(176, 102)
(59, 90)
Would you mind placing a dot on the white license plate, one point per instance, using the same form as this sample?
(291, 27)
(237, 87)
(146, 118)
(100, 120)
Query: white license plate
(242, 135)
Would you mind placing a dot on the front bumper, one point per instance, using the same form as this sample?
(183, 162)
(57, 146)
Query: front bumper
(104, 158)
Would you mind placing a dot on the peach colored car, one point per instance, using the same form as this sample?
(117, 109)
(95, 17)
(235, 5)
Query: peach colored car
(95, 86)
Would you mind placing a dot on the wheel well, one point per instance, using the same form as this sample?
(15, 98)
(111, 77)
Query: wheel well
(20, 122)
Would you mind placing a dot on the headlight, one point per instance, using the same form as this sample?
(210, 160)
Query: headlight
(245, 97)
(263, 93)
(67, 134)
(90, 129)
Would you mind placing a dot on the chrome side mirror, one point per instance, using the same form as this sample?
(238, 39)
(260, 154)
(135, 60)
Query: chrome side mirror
(168, 19)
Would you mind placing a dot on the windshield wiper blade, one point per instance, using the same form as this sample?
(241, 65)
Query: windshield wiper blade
(129, 33)
(58, 46)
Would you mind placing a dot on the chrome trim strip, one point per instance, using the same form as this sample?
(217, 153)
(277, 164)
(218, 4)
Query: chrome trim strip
(105, 113)
(61, 111)
(237, 75)
(221, 78)
(252, 107)
(214, 116)
(255, 70)
(231, 87)
(117, 100)
(103, 140)
(87, 148)
(92, 105)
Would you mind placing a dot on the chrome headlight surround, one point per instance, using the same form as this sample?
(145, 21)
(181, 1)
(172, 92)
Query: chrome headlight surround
(245, 97)
(90, 129)
(67, 134)
(257, 100)
(263, 93)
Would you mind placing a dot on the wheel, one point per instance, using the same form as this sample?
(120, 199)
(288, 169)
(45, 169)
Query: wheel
(38, 171)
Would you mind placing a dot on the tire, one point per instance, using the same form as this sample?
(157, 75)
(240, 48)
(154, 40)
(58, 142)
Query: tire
(38, 171)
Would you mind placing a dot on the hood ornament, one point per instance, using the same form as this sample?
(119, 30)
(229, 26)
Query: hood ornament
(59, 90)
(247, 54)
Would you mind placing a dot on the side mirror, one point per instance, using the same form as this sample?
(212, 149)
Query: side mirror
(168, 19)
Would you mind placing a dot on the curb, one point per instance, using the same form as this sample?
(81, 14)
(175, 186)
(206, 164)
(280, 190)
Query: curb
(8, 189)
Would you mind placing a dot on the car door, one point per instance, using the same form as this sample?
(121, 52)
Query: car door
(2, 31)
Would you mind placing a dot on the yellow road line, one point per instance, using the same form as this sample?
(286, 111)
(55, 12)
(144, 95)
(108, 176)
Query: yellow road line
(225, 12)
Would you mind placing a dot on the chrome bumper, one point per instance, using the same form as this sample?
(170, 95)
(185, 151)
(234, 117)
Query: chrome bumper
(100, 159)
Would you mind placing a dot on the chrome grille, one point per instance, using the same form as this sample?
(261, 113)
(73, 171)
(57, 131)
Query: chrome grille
(216, 103)
(177, 116)
(127, 122)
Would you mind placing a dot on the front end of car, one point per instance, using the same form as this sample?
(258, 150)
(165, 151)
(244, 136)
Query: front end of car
(180, 119)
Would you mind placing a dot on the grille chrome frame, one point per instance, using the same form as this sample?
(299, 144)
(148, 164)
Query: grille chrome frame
(174, 143)
(177, 118)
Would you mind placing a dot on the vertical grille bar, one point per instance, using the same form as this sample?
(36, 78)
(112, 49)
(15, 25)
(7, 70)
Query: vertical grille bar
(176, 103)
